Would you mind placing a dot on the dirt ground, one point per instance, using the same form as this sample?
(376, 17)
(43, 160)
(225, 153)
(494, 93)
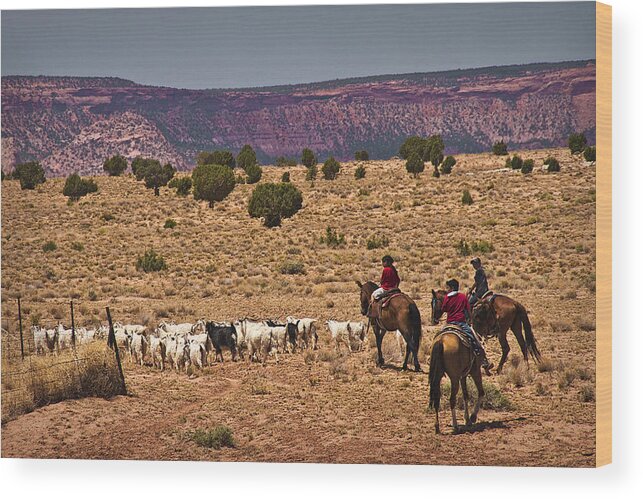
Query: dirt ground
(320, 407)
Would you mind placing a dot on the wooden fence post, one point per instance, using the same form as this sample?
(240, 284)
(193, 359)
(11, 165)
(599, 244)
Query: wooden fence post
(22, 343)
(73, 325)
(111, 342)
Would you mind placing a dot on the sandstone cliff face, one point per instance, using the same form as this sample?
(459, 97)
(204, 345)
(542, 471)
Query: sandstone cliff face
(73, 124)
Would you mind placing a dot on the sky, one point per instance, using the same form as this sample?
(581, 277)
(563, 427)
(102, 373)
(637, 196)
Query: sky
(222, 47)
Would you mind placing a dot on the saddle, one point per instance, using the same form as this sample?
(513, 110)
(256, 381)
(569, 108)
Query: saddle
(454, 329)
(375, 309)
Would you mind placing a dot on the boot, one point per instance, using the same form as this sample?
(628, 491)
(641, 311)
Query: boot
(486, 365)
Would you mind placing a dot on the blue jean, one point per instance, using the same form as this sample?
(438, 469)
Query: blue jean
(475, 344)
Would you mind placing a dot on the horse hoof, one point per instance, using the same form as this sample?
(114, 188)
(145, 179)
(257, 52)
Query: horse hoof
(404, 367)
(473, 419)
(456, 430)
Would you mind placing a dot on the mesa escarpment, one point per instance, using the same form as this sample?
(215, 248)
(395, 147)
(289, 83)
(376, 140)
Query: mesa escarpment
(72, 124)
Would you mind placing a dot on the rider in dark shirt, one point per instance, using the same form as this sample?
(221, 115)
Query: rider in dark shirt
(480, 286)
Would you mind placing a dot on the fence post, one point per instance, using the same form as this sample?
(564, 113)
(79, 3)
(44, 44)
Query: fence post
(73, 325)
(22, 343)
(111, 342)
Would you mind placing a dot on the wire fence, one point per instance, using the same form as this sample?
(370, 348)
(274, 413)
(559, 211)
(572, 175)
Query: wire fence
(33, 376)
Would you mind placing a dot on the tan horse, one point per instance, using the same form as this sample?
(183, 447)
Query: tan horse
(495, 314)
(401, 314)
(450, 356)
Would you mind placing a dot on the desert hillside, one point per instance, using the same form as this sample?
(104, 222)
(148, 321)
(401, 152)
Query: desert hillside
(537, 232)
(79, 120)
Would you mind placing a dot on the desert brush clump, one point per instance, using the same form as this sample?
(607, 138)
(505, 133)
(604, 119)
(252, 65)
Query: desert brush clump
(499, 148)
(214, 438)
(577, 143)
(330, 169)
(76, 187)
(332, 238)
(274, 202)
(29, 174)
(183, 185)
(150, 261)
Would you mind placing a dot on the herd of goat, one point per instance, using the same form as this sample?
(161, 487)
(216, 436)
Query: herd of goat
(182, 345)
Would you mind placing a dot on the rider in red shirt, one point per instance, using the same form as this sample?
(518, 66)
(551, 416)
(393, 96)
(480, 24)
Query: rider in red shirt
(458, 312)
(389, 280)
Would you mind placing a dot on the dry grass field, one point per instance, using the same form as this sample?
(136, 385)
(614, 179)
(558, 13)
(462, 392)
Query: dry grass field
(315, 407)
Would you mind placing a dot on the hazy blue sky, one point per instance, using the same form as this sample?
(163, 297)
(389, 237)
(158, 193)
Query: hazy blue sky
(256, 46)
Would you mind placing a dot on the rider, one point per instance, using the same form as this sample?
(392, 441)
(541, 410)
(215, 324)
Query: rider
(390, 279)
(458, 312)
(480, 286)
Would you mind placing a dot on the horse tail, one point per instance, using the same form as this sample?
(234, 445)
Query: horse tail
(532, 347)
(416, 325)
(436, 372)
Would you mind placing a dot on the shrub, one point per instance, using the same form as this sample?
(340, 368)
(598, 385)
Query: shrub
(447, 165)
(150, 262)
(140, 164)
(212, 183)
(463, 248)
(577, 142)
(414, 164)
(466, 197)
(376, 242)
(291, 268)
(49, 246)
(170, 223)
(77, 246)
(29, 174)
(412, 145)
(220, 436)
(273, 202)
(587, 394)
(508, 163)
(552, 164)
(254, 173)
(311, 174)
(285, 177)
(516, 162)
(115, 165)
(361, 155)
(499, 148)
(225, 158)
(332, 238)
(246, 157)
(590, 154)
(482, 246)
(330, 169)
(284, 161)
(360, 172)
(436, 172)
(434, 150)
(76, 187)
(527, 166)
(183, 185)
(308, 158)
(240, 180)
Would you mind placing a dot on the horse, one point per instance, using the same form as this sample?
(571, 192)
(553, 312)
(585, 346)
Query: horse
(451, 356)
(401, 314)
(495, 314)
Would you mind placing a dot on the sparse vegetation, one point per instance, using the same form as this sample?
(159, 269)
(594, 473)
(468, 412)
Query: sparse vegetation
(360, 172)
(332, 239)
(76, 187)
(170, 223)
(330, 169)
(577, 143)
(466, 197)
(150, 261)
(516, 162)
(415, 165)
(376, 242)
(49, 246)
(361, 155)
(183, 185)
(284, 161)
(254, 173)
(29, 174)
(527, 166)
(499, 148)
(285, 177)
(219, 436)
(308, 158)
(246, 158)
(447, 165)
(115, 165)
(552, 164)
(212, 183)
(274, 202)
(590, 154)
(291, 268)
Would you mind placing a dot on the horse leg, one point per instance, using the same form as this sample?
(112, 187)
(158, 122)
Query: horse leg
(477, 379)
(465, 396)
(452, 402)
(406, 357)
(516, 328)
(378, 338)
(504, 344)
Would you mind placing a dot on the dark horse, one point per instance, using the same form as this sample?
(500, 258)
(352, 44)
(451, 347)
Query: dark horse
(494, 317)
(495, 314)
(400, 314)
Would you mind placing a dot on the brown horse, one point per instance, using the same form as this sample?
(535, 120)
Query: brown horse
(450, 356)
(400, 314)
